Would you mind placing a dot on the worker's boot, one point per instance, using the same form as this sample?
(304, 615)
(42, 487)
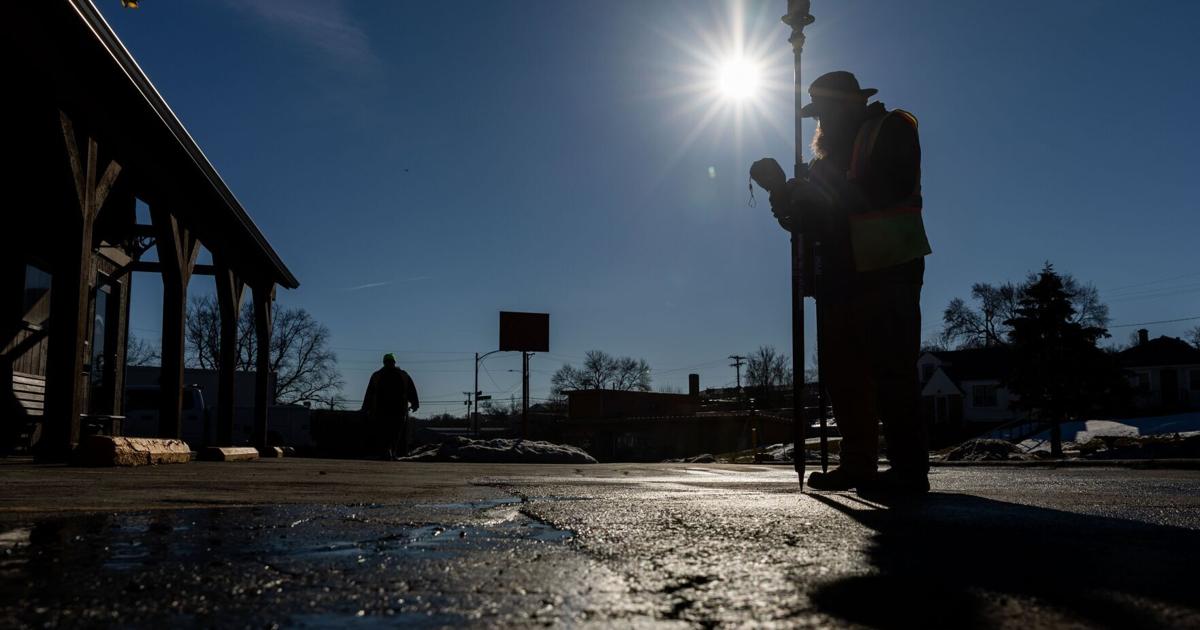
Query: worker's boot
(837, 479)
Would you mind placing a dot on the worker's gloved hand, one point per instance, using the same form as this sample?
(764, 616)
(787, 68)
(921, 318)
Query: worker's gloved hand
(814, 205)
(801, 205)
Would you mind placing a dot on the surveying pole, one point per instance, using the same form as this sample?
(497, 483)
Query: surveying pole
(798, 17)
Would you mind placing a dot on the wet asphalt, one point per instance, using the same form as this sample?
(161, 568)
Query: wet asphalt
(320, 543)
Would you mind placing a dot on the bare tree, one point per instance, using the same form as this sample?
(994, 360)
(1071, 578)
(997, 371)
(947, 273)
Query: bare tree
(138, 352)
(304, 366)
(767, 368)
(1085, 299)
(631, 374)
(602, 371)
(966, 327)
(1193, 336)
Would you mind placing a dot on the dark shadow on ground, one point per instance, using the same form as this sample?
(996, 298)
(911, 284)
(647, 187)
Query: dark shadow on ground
(954, 560)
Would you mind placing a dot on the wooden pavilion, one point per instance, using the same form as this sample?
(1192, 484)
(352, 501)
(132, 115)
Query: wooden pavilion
(93, 136)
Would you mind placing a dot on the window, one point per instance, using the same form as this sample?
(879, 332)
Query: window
(35, 305)
(1194, 378)
(1143, 383)
(984, 395)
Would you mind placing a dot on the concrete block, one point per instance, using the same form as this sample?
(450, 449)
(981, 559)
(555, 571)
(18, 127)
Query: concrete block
(270, 452)
(105, 450)
(229, 453)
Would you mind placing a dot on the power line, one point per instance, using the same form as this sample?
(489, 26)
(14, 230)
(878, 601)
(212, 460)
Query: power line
(1150, 296)
(1145, 284)
(1164, 321)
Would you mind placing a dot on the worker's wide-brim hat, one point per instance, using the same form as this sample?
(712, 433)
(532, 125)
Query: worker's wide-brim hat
(838, 85)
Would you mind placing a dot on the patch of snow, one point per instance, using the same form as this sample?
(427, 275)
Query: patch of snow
(1081, 431)
(461, 449)
(786, 452)
(984, 450)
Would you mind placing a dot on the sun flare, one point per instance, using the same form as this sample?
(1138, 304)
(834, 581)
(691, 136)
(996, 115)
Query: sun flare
(738, 79)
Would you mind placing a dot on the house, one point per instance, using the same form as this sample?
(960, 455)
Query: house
(1165, 373)
(94, 141)
(966, 388)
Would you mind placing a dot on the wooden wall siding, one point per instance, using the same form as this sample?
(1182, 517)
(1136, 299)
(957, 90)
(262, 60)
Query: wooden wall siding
(30, 393)
(27, 351)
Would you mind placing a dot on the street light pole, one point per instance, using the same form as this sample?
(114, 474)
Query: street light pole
(475, 412)
(798, 17)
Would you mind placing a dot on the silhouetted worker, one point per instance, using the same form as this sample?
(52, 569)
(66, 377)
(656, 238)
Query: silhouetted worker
(390, 394)
(862, 202)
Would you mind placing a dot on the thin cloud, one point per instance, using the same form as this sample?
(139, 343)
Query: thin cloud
(323, 24)
(372, 285)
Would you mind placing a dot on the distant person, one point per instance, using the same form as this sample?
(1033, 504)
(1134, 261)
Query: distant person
(862, 201)
(390, 395)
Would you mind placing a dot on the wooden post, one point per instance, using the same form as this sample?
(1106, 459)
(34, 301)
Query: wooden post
(177, 250)
(263, 297)
(71, 296)
(229, 304)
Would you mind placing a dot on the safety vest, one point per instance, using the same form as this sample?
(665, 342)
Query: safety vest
(888, 236)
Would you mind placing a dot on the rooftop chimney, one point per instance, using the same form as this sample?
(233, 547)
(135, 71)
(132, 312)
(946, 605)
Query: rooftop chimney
(1143, 336)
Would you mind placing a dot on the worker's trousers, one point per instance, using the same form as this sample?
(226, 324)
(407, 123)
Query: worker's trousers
(870, 344)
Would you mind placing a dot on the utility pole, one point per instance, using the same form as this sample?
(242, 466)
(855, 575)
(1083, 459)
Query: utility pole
(738, 362)
(475, 409)
(525, 394)
(798, 17)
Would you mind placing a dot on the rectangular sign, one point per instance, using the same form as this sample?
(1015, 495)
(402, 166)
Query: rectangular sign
(524, 332)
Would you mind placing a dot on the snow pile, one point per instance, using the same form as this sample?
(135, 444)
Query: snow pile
(786, 452)
(461, 449)
(984, 450)
(1083, 431)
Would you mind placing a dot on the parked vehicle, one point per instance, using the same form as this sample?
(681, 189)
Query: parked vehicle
(141, 415)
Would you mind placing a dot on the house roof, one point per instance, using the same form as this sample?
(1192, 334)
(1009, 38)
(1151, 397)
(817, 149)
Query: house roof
(976, 363)
(1160, 351)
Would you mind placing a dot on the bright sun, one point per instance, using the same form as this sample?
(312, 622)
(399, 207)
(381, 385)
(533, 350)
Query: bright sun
(738, 79)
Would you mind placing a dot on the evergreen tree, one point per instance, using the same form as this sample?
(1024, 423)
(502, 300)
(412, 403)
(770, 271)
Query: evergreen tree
(1059, 371)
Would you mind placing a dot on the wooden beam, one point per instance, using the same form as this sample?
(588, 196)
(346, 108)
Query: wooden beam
(230, 289)
(152, 266)
(263, 298)
(72, 295)
(177, 250)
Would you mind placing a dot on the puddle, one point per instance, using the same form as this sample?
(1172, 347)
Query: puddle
(308, 564)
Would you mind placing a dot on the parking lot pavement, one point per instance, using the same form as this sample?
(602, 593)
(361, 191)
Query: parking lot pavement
(314, 543)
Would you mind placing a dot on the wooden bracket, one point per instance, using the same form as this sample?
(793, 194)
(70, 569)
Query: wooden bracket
(90, 192)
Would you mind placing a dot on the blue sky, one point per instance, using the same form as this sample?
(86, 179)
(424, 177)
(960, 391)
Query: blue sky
(422, 166)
